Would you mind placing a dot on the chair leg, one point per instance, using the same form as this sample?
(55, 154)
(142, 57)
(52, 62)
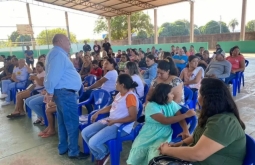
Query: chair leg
(234, 83)
(29, 112)
(85, 147)
(114, 152)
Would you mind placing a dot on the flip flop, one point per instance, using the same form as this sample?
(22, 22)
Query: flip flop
(15, 115)
(47, 135)
(38, 121)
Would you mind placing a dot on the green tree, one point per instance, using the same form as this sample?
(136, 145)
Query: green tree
(142, 35)
(45, 36)
(16, 37)
(213, 27)
(119, 26)
(250, 26)
(177, 28)
(232, 24)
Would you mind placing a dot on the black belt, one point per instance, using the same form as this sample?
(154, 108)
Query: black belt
(70, 90)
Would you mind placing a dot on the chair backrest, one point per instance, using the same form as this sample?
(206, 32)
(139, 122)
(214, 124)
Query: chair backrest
(146, 90)
(191, 121)
(188, 94)
(117, 60)
(81, 91)
(140, 109)
(246, 63)
(100, 98)
(90, 79)
(250, 151)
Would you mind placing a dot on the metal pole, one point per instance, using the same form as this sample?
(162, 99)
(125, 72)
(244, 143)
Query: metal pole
(155, 26)
(67, 26)
(109, 29)
(191, 21)
(129, 29)
(242, 33)
(47, 39)
(30, 23)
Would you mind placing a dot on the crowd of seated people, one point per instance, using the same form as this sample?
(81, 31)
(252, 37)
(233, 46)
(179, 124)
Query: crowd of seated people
(166, 74)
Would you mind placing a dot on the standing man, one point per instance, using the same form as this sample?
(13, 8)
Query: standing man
(62, 82)
(106, 45)
(29, 54)
(97, 48)
(86, 47)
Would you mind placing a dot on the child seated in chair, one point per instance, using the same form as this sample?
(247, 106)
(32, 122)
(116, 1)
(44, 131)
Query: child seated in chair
(160, 113)
(123, 110)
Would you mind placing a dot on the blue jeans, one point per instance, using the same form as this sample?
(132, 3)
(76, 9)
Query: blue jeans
(230, 78)
(35, 103)
(8, 85)
(96, 134)
(68, 121)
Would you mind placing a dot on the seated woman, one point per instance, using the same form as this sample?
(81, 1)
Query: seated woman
(18, 79)
(167, 74)
(77, 62)
(219, 137)
(96, 70)
(123, 109)
(38, 84)
(35, 103)
(133, 55)
(123, 61)
(42, 58)
(133, 71)
(160, 113)
(86, 67)
(50, 130)
(205, 61)
(238, 63)
(107, 82)
(192, 74)
(151, 73)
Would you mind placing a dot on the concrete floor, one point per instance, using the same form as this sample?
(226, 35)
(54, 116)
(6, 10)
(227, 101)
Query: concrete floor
(20, 145)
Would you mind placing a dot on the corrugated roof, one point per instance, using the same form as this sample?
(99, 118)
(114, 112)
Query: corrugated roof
(110, 8)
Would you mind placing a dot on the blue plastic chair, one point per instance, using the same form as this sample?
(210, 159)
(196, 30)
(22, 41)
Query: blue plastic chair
(117, 60)
(99, 99)
(188, 95)
(242, 76)
(143, 68)
(235, 83)
(16, 89)
(250, 151)
(90, 79)
(177, 129)
(115, 145)
(193, 102)
(146, 90)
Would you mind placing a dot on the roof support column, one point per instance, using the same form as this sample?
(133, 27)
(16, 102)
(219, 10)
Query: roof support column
(30, 23)
(155, 26)
(242, 33)
(109, 29)
(67, 25)
(191, 21)
(129, 29)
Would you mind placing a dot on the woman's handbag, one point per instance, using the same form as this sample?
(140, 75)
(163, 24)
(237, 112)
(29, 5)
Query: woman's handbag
(168, 160)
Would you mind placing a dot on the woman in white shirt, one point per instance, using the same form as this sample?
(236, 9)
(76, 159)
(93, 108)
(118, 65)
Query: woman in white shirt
(38, 83)
(132, 69)
(107, 82)
(123, 109)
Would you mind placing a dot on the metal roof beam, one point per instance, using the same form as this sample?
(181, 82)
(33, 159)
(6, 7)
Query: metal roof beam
(139, 3)
(97, 6)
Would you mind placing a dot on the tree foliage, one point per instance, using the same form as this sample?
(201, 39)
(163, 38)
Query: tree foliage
(142, 35)
(232, 24)
(177, 28)
(250, 26)
(45, 36)
(213, 27)
(16, 37)
(119, 25)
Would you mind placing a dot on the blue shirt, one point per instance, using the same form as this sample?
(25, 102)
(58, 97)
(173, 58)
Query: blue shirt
(150, 74)
(29, 52)
(182, 57)
(60, 71)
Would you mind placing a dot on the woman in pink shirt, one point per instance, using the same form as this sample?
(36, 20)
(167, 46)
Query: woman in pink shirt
(237, 61)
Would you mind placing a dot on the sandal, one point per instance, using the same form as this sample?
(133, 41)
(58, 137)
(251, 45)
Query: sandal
(38, 121)
(15, 115)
